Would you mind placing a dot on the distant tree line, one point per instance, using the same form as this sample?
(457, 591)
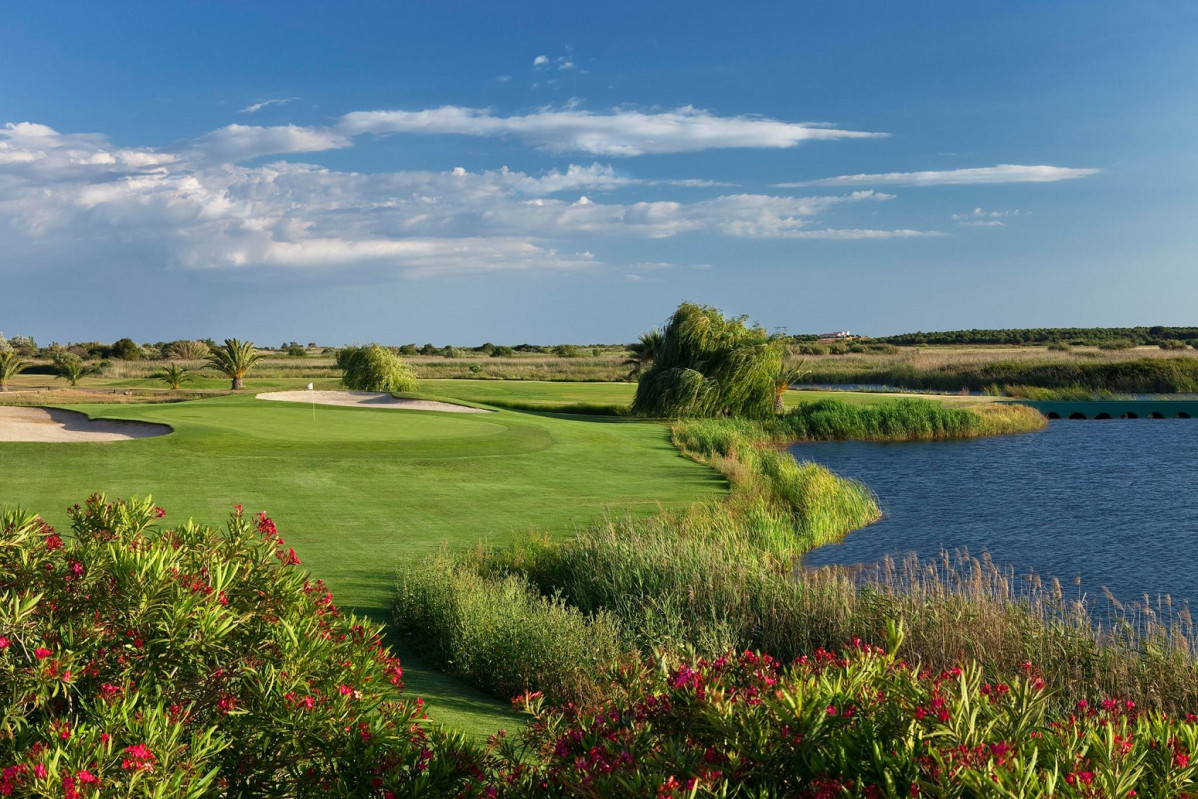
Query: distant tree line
(1158, 335)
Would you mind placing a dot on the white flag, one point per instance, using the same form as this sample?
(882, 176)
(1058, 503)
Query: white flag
(309, 386)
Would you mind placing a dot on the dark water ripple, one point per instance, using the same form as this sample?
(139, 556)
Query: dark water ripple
(1113, 502)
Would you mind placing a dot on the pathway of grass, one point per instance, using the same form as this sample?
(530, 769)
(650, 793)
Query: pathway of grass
(354, 488)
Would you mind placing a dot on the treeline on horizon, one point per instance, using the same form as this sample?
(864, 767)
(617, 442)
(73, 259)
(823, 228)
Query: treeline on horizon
(1074, 336)
(126, 349)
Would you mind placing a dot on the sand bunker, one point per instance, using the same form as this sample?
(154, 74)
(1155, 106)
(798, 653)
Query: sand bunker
(57, 425)
(367, 399)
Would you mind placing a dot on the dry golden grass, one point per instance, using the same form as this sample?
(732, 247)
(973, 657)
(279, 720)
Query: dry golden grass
(945, 358)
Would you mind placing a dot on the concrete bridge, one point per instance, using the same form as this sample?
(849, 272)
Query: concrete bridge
(1116, 409)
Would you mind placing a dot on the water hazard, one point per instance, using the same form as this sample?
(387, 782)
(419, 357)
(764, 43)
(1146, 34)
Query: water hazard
(1112, 502)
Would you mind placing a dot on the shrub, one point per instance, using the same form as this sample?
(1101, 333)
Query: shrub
(502, 352)
(861, 723)
(194, 661)
(374, 368)
(126, 349)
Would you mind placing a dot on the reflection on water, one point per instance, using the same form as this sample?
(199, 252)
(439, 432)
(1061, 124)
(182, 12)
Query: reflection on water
(1112, 502)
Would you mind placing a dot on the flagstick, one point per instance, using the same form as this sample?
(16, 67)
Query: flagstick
(313, 398)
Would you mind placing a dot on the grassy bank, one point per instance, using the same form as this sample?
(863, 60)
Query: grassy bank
(711, 577)
(555, 616)
(721, 576)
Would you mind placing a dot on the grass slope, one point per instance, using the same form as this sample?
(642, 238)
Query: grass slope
(356, 488)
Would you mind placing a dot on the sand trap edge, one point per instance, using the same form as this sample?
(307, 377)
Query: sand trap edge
(367, 399)
(34, 424)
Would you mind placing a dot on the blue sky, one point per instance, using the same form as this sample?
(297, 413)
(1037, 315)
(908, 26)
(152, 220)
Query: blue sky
(544, 172)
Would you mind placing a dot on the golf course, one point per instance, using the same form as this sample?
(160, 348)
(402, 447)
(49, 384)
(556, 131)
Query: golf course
(353, 489)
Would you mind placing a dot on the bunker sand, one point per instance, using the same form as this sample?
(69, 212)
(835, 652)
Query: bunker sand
(54, 425)
(367, 399)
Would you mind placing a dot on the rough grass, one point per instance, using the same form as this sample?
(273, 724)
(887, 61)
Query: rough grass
(1137, 370)
(900, 420)
(499, 633)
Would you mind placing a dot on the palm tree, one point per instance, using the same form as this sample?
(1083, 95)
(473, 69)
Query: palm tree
(644, 352)
(234, 359)
(189, 349)
(173, 375)
(10, 365)
(71, 367)
(791, 373)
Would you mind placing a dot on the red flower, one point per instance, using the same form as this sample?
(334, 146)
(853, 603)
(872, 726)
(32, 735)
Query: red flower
(41, 653)
(138, 757)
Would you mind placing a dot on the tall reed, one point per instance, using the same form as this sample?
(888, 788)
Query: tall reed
(500, 634)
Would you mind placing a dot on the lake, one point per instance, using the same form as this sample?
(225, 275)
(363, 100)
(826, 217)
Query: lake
(1113, 502)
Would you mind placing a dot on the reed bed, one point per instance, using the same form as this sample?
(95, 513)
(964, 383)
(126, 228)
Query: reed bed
(706, 581)
(957, 608)
(1138, 370)
(500, 634)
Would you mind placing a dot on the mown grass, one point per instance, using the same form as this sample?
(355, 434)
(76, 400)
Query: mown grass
(355, 489)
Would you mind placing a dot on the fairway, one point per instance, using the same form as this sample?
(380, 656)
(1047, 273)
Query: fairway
(354, 489)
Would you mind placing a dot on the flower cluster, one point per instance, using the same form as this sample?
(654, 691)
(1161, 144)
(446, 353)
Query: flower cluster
(858, 723)
(192, 660)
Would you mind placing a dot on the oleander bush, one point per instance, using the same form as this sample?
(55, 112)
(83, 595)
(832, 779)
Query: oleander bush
(190, 661)
(861, 723)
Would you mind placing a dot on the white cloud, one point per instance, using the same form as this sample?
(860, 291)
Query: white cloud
(198, 206)
(1002, 173)
(979, 217)
(620, 132)
(242, 142)
(540, 61)
(254, 108)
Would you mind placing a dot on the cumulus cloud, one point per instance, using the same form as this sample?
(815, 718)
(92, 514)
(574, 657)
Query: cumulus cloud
(540, 61)
(619, 132)
(254, 108)
(1002, 173)
(200, 205)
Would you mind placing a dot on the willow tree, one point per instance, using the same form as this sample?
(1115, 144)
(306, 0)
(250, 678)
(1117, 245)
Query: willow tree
(711, 365)
(234, 358)
(374, 368)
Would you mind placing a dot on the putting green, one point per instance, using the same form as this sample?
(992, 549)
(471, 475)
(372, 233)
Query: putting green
(354, 489)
